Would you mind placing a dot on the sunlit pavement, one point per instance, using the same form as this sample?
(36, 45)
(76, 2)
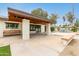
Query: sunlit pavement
(38, 45)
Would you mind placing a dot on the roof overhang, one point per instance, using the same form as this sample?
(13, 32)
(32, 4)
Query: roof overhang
(28, 16)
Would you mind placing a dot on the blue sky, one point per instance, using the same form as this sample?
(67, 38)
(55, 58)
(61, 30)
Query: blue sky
(59, 8)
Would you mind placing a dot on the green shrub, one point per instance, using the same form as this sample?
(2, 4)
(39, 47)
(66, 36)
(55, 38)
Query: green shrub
(74, 29)
(52, 29)
(77, 23)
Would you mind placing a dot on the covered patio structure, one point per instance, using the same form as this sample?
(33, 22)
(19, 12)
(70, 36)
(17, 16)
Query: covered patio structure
(26, 19)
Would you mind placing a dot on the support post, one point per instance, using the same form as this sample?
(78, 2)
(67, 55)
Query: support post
(48, 30)
(42, 28)
(25, 29)
(2, 27)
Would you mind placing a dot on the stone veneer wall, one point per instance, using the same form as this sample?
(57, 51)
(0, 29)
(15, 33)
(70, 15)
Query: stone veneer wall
(2, 27)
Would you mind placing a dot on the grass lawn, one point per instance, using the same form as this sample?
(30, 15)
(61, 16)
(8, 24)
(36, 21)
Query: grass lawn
(5, 51)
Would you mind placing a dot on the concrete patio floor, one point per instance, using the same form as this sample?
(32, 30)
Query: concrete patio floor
(38, 45)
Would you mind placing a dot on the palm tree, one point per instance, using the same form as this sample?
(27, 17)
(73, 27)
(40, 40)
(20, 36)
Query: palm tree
(64, 24)
(64, 19)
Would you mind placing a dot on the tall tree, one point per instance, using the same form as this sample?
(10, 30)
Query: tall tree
(64, 19)
(70, 17)
(40, 12)
(77, 23)
(53, 18)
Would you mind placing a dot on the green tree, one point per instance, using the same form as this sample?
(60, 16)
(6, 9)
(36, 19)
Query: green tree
(70, 17)
(77, 23)
(40, 12)
(54, 18)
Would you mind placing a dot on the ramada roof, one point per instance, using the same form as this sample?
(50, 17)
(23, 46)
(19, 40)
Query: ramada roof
(27, 15)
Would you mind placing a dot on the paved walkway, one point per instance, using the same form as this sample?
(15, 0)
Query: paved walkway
(72, 49)
(38, 45)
